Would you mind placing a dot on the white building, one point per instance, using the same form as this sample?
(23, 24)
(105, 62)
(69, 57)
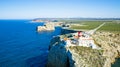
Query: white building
(84, 40)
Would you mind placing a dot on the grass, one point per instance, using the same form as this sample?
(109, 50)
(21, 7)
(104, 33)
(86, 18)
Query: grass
(88, 25)
(111, 26)
(92, 57)
(71, 21)
(81, 49)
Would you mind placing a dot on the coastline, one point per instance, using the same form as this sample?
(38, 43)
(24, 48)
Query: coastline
(110, 51)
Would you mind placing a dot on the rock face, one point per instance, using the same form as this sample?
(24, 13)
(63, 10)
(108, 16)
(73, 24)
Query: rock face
(110, 43)
(61, 55)
(57, 56)
(49, 26)
(86, 57)
(46, 27)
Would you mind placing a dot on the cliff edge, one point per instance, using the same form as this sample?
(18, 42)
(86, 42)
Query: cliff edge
(46, 27)
(61, 55)
(110, 43)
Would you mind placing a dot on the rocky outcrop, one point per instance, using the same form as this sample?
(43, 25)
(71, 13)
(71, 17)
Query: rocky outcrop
(61, 55)
(110, 43)
(46, 27)
(54, 41)
(86, 57)
(57, 56)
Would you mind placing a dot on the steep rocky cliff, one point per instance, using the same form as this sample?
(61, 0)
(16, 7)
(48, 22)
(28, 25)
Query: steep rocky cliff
(61, 55)
(57, 56)
(110, 43)
(86, 57)
(73, 56)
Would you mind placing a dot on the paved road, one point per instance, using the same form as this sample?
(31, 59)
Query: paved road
(93, 31)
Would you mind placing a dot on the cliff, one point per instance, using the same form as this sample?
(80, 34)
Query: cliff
(46, 27)
(49, 26)
(110, 43)
(61, 55)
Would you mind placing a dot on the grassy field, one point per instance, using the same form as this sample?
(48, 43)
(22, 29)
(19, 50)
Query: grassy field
(111, 26)
(87, 25)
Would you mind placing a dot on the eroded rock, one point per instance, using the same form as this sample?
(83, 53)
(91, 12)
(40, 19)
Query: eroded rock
(110, 43)
(74, 56)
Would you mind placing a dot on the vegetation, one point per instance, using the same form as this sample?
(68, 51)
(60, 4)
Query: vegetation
(111, 26)
(71, 21)
(83, 50)
(92, 57)
(87, 25)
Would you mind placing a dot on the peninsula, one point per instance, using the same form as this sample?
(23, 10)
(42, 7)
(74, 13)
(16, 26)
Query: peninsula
(95, 44)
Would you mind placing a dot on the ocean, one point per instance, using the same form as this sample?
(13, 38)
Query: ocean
(21, 45)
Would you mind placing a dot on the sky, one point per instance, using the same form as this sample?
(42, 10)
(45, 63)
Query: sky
(29, 9)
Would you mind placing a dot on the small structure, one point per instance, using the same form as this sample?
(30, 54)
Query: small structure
(80, 39)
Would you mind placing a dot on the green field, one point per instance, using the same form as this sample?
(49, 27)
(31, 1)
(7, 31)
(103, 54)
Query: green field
(111, 26)
(87, 25)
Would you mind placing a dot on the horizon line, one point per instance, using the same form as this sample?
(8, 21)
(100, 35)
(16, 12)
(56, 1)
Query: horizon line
(69, 18)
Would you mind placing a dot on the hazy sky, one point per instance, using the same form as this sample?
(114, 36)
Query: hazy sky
(25, 9)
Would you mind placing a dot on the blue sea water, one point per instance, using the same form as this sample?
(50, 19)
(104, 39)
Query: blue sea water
(21, 45)
(116, 63)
